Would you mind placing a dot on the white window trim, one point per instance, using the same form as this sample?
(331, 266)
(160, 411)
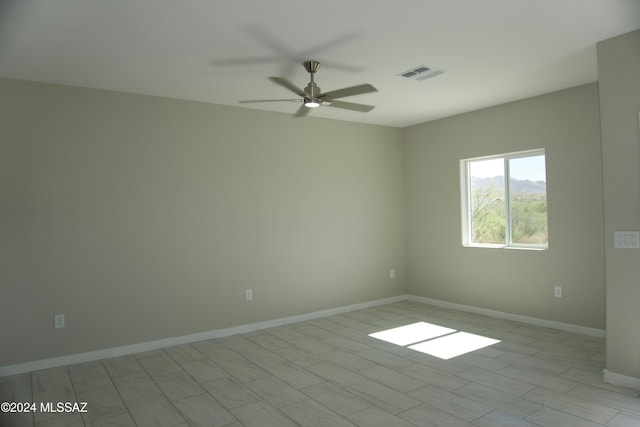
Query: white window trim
(465, 193)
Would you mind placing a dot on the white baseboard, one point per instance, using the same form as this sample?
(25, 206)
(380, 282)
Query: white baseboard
(241, 329)
(567, 327)
(186, 339)
(620, 380)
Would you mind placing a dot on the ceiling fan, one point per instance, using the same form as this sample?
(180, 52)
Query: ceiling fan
(312, 97)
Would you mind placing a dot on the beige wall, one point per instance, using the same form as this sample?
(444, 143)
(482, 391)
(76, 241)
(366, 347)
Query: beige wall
(144, 218)
(566, 125)
(619, 75)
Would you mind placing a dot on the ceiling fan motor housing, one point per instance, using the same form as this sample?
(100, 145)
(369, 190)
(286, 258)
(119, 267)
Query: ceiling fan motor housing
(311, 90)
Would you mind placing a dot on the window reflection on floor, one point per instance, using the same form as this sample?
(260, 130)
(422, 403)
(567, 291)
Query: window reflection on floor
(413, 333)
(434, 340)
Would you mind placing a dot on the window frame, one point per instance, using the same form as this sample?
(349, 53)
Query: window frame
(465, 190)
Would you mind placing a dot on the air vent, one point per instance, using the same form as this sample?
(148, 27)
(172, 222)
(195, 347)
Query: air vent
(421, 72)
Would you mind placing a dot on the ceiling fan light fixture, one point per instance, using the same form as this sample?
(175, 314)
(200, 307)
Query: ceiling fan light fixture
(311, 102)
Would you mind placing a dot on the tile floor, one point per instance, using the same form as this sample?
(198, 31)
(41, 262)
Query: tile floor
(329, 372)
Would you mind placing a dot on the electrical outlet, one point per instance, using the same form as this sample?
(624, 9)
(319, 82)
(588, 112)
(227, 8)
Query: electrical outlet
(392, 273)
(557, 291)
(248, 295)
(58, 321)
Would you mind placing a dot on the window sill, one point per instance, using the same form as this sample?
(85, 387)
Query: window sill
(520, 248)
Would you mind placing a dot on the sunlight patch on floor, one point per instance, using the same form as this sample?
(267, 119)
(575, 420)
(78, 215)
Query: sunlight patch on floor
(411, 334)
(434, 340)
(453, 345)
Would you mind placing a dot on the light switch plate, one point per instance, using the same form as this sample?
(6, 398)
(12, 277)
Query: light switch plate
(626, 239)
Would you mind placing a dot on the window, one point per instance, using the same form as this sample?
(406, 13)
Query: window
(504, 200)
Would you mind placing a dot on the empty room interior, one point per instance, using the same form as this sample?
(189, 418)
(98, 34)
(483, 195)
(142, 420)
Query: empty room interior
(195, 230)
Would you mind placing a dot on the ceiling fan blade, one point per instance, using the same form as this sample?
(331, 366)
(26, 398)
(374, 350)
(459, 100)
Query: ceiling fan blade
(350, 106)
(244, 61)
(269, 100)
(302, 111)
(287, 85)
(349, 91)
(343, 67)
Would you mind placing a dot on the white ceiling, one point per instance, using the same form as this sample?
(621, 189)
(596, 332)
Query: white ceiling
(222, 51)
